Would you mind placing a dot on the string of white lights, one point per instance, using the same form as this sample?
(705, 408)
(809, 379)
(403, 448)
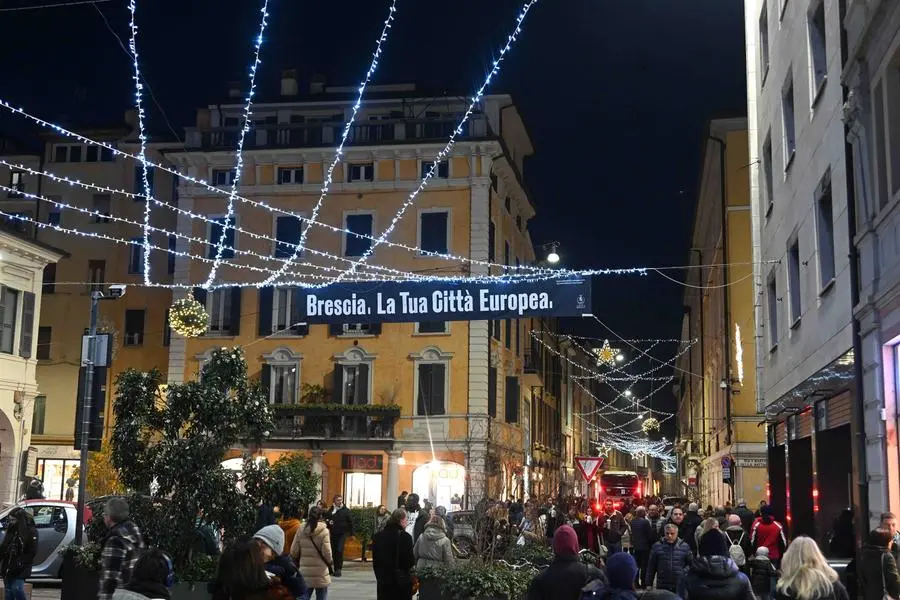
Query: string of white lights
(142, 134)
(446, 149)
(239, 154)
(646, 375)
(339, 153)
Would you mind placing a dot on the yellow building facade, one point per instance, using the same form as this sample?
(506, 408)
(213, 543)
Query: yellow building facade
(720, 442)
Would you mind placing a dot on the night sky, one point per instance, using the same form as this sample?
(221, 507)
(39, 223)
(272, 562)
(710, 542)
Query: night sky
(615, 94)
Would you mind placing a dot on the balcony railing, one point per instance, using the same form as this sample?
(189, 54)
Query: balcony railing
(317, 134)
(335, 421)
(530, 362)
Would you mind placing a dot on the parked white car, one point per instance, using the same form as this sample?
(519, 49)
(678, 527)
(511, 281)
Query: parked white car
(55, 522)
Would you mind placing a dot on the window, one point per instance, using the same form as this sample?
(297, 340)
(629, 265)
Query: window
(54, 472)
(136, 256)
(27, 338)
(495, 327)
(492, 242)
(764, 42)
(39, 416)
(223, 176)
(825, 232)
(75, 153)
(512, 399)
(358, 239)
(53, 216)
(106, 155)
(283, 384)
(101, 208)
(215, 232)
(818, 67)
(282, 309)
(793, 272)
(16, 182)
(92, 153)
(424, 327)
(357, 329)
(508, 337)
(355, 383)
(361, 172)
(442, 171)
(96, 275)
(492, 391)
(45, 335)
(506, 253)
(772, 301)
(287, 236)
(362, 489)
(219, 310)
(768, 178)
(290, 175)
(60, 153)
(49, 279)
(134, 327)
(433, 231)
(170, 255)
(787, 123)
(81, 153)
(431, 380)
(139, 182)
(9, 307)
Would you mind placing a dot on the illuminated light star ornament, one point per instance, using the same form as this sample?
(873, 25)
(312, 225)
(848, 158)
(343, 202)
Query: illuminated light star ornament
(187, 317)
(606, 354)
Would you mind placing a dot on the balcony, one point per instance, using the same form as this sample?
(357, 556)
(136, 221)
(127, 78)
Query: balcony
(530, 362)
(335, 422)
(319, 134)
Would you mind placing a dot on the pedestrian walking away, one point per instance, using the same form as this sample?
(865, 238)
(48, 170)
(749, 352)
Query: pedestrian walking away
(433, 548)
(312, 551)
(17, 553)
(121, 547)
(713, 575)
(340, 527)
(392, 558)
(762, 573)
(566, 575)
(805, 574)
(877, 569)
(642, 539)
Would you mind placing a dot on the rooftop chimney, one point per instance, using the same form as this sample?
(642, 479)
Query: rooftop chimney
(234, 89)
(289, 82)
(317, 84)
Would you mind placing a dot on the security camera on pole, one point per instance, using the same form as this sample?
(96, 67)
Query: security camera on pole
(94, 353)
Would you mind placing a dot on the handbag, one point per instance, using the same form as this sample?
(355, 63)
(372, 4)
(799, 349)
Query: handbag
(319, 552)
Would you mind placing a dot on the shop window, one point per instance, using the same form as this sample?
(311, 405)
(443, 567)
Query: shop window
(362, 489)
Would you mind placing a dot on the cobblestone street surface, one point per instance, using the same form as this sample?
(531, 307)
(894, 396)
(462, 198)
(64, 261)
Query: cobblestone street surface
(358, 583)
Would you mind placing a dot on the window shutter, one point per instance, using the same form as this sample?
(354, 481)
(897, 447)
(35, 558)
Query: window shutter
(492, 391)
(266, 295)
(298, 315)
(438, 372)
(235, 328)
(512, 399)
(200, 296)
(375, 328)
(362, 384)
(265, 379)
(337, 383)
(335, 329)
(2, 305)
(424, 374)
(27, 325)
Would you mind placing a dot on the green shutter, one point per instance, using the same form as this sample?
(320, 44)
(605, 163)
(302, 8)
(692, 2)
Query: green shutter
(27, 337)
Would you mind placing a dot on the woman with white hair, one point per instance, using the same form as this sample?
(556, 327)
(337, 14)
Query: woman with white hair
(805, 575)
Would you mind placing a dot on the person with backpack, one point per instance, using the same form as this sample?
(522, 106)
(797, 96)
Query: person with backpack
(768, 532)
(643, 536)
(738, 542)
(762, 573)
(17, 553)
(566, 575)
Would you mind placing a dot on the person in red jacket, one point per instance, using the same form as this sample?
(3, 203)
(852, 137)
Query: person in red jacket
(768, 532)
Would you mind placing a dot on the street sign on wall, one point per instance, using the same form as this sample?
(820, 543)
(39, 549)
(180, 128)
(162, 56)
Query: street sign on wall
(399, 302)
(588, 465)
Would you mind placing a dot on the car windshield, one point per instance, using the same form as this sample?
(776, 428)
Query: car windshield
(625, 481)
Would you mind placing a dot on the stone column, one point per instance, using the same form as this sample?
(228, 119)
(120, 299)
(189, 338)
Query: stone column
(318, 468)
(393, 479)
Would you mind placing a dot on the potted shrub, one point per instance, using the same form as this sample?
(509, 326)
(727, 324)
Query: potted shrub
(473, 581)
(80, 572)
(193, 578)
(363, 528)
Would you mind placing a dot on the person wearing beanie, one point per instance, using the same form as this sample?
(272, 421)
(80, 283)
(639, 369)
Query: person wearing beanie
(622, 572)
(713, 575)
(768, 532)
(566, 575)
(270, 541)
(762, 573)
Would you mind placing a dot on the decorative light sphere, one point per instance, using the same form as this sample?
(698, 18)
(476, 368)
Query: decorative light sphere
(620, 357)
(188, 317)
(649, 425)
(628, 393)
(553, 257)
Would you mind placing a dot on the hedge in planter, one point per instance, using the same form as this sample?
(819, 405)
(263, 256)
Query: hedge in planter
(192, 579)
(473, 581)
(363, 527)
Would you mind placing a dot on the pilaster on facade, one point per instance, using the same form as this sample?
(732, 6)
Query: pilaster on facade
(178, 344)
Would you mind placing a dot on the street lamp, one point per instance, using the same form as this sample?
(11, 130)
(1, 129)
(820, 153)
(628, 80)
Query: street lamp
(628, 393)
(620, 357)
(89, 361)
(553, 255)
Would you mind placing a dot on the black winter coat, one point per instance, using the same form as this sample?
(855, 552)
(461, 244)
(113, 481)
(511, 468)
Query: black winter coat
(714, 578)
(688, 529)
(563, 579)
(17, 551)
(746, 516)
(873, 562)
(761, 572)
(667, 563)
(838, 592)
(642, 535)
(392, 551)
(341, 521)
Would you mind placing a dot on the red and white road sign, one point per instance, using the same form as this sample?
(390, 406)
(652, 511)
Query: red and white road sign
(588, 465)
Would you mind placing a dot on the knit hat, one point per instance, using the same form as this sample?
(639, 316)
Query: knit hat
(273, 536)
(621, 570)
(565, 541)
(762, 551)
(712, 543)
(766, 510)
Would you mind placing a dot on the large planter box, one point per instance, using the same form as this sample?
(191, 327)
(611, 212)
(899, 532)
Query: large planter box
(77, 582)
(190, 591)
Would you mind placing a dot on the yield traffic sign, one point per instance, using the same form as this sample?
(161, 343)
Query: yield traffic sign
(588, 465)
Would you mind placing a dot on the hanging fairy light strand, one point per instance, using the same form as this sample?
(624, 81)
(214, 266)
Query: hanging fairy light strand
(339, 152)
(239, 153)
(142, 135)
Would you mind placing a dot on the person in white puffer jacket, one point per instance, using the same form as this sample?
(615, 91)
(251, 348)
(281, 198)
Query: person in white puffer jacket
(433, 547)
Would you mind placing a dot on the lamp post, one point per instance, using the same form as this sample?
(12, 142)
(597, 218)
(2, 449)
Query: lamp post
(89, 361)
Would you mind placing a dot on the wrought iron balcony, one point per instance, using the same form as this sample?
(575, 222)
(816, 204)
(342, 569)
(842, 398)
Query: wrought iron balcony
(317, 134)
(335, 421)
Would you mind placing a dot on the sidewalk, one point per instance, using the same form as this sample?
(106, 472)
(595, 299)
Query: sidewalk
(358, 583)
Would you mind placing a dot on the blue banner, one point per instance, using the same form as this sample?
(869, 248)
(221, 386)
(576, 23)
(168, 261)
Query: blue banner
(398, 302)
